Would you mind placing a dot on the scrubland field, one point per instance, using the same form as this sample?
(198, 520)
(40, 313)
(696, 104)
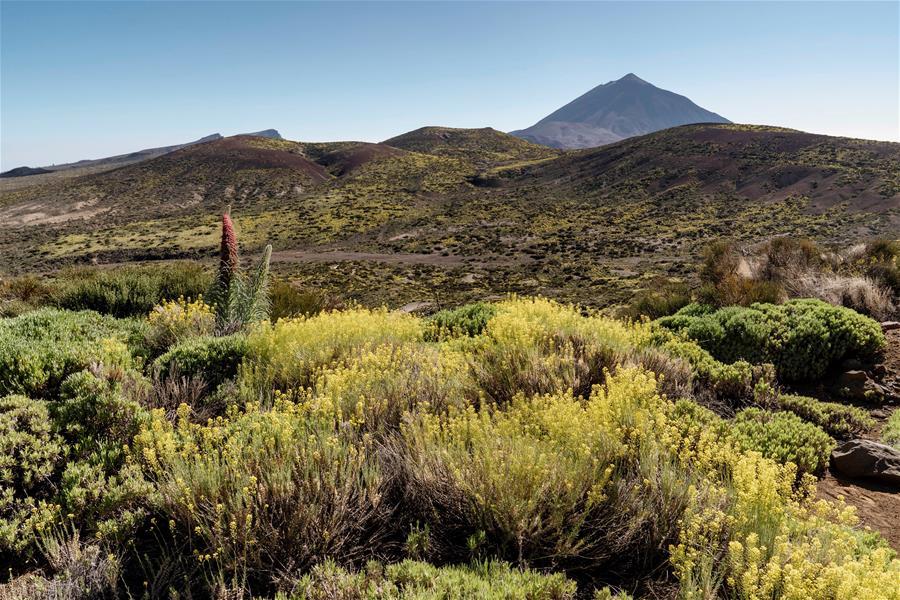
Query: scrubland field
(466, 367)
(189, 433)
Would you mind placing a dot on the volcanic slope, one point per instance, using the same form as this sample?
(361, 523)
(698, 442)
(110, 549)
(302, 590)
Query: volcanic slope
(446, 215)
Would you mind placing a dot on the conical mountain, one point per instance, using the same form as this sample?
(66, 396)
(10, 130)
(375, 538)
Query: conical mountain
(614, 111)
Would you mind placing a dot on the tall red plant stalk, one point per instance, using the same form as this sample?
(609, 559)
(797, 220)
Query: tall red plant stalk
(228, 253)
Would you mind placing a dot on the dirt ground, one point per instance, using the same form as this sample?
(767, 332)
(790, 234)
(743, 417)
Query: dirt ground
(878, 506)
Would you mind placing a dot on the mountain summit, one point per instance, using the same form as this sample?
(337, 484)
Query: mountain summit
(614, 111)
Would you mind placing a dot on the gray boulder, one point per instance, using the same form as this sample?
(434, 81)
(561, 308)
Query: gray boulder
(857, 385)
(867, 459)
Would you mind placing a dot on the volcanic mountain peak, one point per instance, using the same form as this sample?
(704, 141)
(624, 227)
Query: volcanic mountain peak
(630, 77)
(613, 111)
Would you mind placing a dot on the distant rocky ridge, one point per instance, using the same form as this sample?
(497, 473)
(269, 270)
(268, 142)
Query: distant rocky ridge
(615, 111)
(129, 158)
(24, 171)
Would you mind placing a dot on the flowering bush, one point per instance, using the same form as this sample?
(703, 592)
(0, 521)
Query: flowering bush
(177, 320)
(289, 353)
(551, 480)
(264, 491)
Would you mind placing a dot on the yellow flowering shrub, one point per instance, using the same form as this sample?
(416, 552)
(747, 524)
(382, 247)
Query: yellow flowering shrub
(553, 479)
(538, 346)
(263, 488)
(757, 535)
(375, 389)
(175, 320)
(290, 353)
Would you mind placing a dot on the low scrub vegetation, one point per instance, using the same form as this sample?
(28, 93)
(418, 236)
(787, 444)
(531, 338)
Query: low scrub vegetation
(522, 449)
(784, 437)
(529, 450)
(865, 277)
(838, 420)
(891, 433)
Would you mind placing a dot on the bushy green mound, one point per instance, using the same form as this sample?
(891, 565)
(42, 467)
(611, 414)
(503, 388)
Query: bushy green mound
(784, 437)
(838, 420)
(30, 454)
(40, 349)
(214, 359)
(802, 338)
(469, 320)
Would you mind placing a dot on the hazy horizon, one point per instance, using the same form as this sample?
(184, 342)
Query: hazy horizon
(88, 80)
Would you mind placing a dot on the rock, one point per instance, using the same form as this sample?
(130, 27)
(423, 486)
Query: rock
(416, 307)
(890, 325)
(879, 371)
(867, 459)
(856, 385)
(851, 364)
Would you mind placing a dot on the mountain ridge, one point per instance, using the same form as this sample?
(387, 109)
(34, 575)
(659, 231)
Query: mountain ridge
(128, 157)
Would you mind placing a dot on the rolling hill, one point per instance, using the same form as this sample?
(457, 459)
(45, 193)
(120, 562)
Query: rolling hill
(615, 111)
(442, 215)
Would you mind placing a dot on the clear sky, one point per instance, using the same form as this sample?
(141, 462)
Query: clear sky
(81, 80)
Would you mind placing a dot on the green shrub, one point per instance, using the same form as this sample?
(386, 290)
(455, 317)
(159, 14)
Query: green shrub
(94, 414)
(802, 338)
(412, 579)
(659, 302)
(469, 320)
(286, 300)
(731, 381)
(38, 350)
(838, 420)
(22, 294)
(30, 454)
(891, 433)
(783, 437)
(130, 291)
(216, 359)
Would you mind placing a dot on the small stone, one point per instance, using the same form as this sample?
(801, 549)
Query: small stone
(890, 325)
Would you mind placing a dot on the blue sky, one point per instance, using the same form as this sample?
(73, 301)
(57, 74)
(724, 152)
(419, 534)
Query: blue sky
(81, 80)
